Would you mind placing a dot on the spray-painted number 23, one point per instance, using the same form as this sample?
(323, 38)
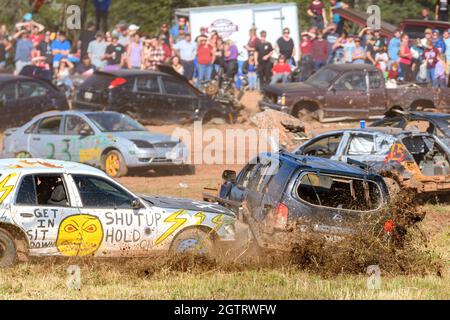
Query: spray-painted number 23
(65, 151)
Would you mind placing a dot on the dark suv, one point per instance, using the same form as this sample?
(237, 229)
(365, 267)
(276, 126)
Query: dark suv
(313, 194)
(151, 97)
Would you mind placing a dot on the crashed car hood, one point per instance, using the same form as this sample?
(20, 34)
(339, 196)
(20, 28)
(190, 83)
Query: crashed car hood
(294, 87)
(145, 135)
(186, 204)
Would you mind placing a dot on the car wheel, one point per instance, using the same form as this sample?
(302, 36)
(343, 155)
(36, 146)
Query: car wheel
(8, 255)
(193, 241)
(23, 155)
(114, 164)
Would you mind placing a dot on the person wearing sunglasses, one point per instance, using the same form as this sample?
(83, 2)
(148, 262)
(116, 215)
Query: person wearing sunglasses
(285, 47)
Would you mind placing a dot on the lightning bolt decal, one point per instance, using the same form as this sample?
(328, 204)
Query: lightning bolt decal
(218, 221)
(200, 216)
(4, 189)
(177, 223)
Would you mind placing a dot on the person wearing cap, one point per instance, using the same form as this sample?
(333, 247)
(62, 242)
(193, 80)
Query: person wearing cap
(114, 54)
(181, 24)
(164, 31)
(370, 51)
(101, 14)
(60, 48)
(96, 51)
(441, 10)
(186, 49)
(430, 55)
(428, 35)
(205, 55)
(437, 41)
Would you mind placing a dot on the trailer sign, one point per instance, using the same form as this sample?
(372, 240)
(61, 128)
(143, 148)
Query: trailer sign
(223, 27)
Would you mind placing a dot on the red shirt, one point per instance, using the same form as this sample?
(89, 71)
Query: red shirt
(36, 39)
(319, 50)
(305, 47)
(204, 54)
(281, 68)
(167, 51)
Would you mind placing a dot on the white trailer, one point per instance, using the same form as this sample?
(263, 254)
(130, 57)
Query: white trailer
(234, 22)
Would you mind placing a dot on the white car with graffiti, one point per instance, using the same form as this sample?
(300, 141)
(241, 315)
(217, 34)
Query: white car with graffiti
(57, 208)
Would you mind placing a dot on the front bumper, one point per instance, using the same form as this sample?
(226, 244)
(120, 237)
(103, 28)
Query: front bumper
(140, 157)
(266, 104)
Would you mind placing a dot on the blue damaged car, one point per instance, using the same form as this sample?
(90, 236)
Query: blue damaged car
(111, 141)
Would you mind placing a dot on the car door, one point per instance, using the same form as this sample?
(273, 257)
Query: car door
(77, 142)
(147, 101)
(181, 100)
(11, 114)
(327, 146)
(123, 230)
(42, 203)
(377, 93)
(349, 96)
(45, 141)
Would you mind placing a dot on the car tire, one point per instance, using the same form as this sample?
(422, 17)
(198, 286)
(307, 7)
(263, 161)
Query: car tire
(193, 241)
(23, 155)
(114, 164)
(8, 254)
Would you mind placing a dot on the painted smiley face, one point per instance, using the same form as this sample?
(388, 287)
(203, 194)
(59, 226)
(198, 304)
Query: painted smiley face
(79, 235)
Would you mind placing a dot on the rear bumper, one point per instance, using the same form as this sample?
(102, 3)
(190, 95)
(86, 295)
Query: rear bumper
(266, 104)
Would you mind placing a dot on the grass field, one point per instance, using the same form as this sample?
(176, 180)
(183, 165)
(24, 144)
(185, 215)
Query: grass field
(148, 279)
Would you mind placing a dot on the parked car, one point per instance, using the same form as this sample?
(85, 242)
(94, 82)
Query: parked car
(281, 191)
(21, 98)
(58, 208)
(152, 97)
(408, 159)
(109, 140)
(430, 122)
(349, 91)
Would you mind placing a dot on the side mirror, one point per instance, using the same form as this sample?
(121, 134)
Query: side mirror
(229, 176)
(136, 203)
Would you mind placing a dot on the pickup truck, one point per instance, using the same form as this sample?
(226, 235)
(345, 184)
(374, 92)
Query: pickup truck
(351, 91)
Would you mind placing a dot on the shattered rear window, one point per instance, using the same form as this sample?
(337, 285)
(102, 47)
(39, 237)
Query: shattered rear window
(339, 192)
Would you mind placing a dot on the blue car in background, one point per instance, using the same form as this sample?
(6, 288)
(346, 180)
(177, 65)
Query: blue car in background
(109, 140)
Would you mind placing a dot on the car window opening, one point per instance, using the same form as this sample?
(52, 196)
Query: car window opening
(428, 155)
(45, 190)
(339, 192)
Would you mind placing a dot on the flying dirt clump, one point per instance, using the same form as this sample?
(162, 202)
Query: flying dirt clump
(392, 240)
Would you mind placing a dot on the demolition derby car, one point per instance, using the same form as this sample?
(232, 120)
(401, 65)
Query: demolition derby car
(57, 208)
(407, 159)
(108, 140)
(282, 195)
